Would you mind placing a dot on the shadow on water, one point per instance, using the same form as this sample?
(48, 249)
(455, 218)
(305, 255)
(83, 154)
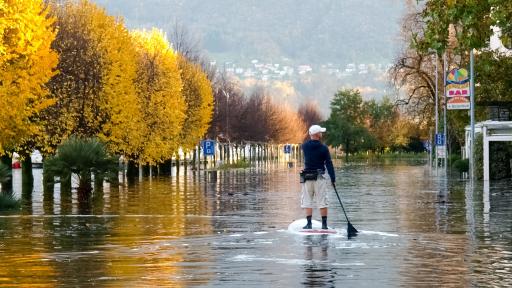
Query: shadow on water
(228, 228)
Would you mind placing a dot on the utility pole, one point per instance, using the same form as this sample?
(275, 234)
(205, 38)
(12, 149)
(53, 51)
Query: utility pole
(436, 111)
(445, 126)
(472, 113)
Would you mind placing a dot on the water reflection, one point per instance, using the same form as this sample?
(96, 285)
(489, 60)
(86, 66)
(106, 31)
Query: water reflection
(227, 228)
(318, 272)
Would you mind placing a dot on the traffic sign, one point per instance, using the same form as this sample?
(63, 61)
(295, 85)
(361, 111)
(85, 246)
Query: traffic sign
(208, 147)
(439, 139)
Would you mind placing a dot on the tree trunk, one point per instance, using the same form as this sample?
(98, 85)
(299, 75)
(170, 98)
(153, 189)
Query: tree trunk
(132, 171)
(84, 189)
(27, 178)
(113, 179)
(177, 164)
(7, 185)
(65, 184)
(48, 183)
(346, 150)
(194, 159)
(98, 181)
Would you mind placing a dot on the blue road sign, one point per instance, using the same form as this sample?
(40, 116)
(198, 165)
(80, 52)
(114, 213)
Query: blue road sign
(208, 147)
(439, 139)
(287, 149)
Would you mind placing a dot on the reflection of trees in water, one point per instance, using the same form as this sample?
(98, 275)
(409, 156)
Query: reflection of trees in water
(21, 263)
(248, 190)
(435, 251)
(163, 208)
(101, 249)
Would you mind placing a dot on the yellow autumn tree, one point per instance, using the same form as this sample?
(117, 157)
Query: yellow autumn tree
(95, 89)
(159, 88)
(197, 91)
(27, 62)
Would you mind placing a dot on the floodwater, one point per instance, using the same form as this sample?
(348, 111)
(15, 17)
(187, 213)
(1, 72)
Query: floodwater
(418, 229)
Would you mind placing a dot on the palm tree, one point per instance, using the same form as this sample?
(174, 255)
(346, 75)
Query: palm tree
(81, 158)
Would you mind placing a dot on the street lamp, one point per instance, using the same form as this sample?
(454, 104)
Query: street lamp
(227, 113)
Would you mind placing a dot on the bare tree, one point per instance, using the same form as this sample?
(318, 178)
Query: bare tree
(413, 73)
(310, 113)
(189, 46)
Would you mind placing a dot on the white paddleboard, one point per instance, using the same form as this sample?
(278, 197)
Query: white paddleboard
(296, 227)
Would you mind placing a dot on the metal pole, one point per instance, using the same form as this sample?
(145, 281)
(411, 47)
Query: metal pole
(432, 143)
(472, 113)
(436, 111)
(445, 126)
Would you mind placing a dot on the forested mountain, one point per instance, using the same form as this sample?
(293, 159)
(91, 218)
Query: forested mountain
(304, 31)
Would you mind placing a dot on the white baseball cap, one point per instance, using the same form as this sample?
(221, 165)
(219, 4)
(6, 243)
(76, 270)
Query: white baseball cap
(316, 129)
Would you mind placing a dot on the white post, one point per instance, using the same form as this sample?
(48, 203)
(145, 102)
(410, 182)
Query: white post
(472, 114)
(486, 153)
(487, 205)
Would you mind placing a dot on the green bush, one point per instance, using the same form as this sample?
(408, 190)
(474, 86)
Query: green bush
(479, 156)
(5, 174)
(452, 158)
(461, 165)
(7, 202)
(81, 157)
(237, 165)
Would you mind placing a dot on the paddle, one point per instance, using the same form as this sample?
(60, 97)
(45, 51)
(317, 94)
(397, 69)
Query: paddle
(351, 230)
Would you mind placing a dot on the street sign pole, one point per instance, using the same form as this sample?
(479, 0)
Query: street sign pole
(472, 113)
(445, 126)
(436, 108)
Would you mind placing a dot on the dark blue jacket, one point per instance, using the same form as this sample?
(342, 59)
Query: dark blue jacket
(317, 156)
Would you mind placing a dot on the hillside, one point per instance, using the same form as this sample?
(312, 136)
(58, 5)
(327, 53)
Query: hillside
(306, 49)
(305, 31)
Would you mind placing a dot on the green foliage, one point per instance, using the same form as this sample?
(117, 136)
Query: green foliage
(81, 157)
(461, 165)
(479, 156)
(494, 77)
(346, 123)
(5, 173)
(389, 155)
(499, 160)
(381, 121)
(359, 125)
(8, 202)
(240, 164)
(472, 21)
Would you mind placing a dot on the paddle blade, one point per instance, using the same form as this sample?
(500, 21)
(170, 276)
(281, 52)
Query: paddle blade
(351, 230)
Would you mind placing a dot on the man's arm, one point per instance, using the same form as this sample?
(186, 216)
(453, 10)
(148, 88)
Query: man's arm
(329, 166)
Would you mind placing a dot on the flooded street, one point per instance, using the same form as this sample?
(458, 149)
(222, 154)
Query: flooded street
(416, 230)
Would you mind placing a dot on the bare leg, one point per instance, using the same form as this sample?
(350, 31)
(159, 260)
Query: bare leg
(309, 211)
(323, 212)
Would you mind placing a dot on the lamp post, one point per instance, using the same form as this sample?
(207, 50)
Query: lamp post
(227, 113)
(472, 114)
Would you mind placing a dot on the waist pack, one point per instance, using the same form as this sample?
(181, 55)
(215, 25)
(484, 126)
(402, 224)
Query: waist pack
(308, 176)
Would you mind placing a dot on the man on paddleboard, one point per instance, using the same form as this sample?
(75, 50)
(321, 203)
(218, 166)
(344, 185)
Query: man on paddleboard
(317, 160)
